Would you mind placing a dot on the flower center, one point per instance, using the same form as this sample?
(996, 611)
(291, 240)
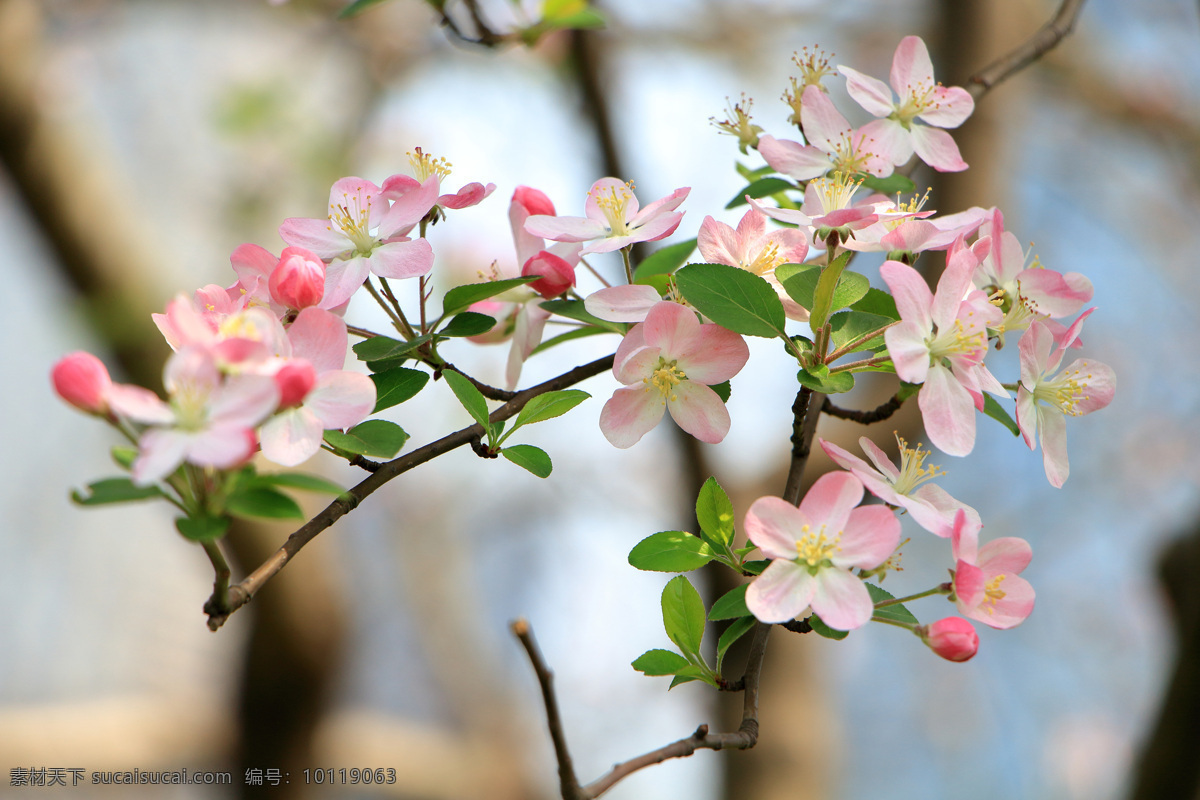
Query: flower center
(992, 593)
(767, 259)
(665, 377)
(834, 193)
(189, 400)
(904, 211)
(816, 548)
(613, 202)
(353, 218)
(424, 166)
(913, 471)
(920, 98)
(1066, 391)
(965, 339)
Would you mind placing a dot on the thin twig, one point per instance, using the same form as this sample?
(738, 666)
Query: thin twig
(243, 591)
(490, 392)
(864, 417)
(1046, 39)
(221, 572)
(804, 427)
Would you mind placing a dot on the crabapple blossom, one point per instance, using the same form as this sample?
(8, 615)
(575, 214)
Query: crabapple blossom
(827, 204)
(614, 219)
(930, 505)
(626, 303)
(987, 587)
(83, 381)
(814, 548)
(426, 167)
(751, 248)
(669, 362)
(941, 341)
(298, 280)
(1045, 399)
(897, 131)
(952, 638)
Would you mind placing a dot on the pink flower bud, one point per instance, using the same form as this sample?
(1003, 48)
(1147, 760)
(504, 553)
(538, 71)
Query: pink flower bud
(298, 280)
(556, 274)
(295, 380)
(82, 380)
(533, 201)
(952, 638)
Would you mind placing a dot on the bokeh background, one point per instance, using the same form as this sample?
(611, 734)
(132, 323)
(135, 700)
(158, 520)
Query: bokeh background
(143, 141)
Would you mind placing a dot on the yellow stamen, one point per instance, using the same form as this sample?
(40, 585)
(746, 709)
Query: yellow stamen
(424, 165)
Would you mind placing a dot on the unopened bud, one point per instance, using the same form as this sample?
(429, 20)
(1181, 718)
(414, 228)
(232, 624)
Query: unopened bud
(83, 381)
(556, 274)
(533, 201)
(952, 638)
(298, 280)
(295, 380)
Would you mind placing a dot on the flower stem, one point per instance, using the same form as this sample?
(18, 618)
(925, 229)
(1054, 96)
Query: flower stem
(628, 267)
(943, 588)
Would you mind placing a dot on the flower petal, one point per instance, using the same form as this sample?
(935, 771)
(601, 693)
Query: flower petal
(781, 592)
(699, 411)
(630, 414)
(841, 600)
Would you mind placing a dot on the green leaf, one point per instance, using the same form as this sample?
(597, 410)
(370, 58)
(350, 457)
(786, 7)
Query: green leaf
(549, 405)
(357, 7)
(823, 295)
(378, 348)
(994, 410)
(468, 323)
(124, 456)
(529, 457)
(733, 298)
(377, 438)
(670, 551)
(574, 309)
(731, 634)
(683, 615)
(850, 325)
(470, 397)
(891, 185)
(876, 301)
(752, 174)
(202, 529)
(664, 261)
(756, 567)
(730, 605)
(461, 297)
(760, 188)
(714, 512)
(799, 281)
(263, 502)
(829, 633)
(894, 613)
(114, 490)
(659, 662)
(688, 674)
(830, 383)
(297, 480)
(723, 390)
(394, 386)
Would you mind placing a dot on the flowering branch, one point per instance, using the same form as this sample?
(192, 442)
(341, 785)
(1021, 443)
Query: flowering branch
(1045, 40)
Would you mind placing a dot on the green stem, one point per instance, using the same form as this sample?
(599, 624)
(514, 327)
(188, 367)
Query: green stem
(628, 266)
(943, 588)
(593, 270)
(857, 365)
(906, 625)
(398, 321)
(855, 342)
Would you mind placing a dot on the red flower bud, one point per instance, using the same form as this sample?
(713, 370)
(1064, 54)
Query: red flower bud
(295, 380)
(556, 274)
(82, 380)
(952, 638)
(298, 280)
(533, 200)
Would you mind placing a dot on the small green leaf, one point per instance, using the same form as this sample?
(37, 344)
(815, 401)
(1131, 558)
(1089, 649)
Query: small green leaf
(683, 615)
(659, 662)
(202, 529)
(297, 480)
(714, 512)
(114, 490)
(756, 567)
(468, 323)
(664, 261)
(760, 188)
(829, 633)
(731, 634)
(549, 405)
(833, 383)
(723, 390)
(574, 309)
(894, 613)
(378, 348)
(693, 672)
(876, 301)
(799, 281)
(529, 457)
(377, 438)
(670, 551)
(470, 397)
(827, 285)
(994, 410)
(461, 297)
(262, 502)
(730, 605)
(891, 185)
(850, 325)
(394, 386)
(124, 456)
(357, 7)
(733, 298)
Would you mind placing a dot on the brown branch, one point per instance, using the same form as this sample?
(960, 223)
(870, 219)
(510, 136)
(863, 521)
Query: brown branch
(1046, 39)
(804, 427)
(864, 417)
(490, 392)
(242, 592)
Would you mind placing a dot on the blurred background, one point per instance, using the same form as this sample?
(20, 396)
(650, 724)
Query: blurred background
(143, 141)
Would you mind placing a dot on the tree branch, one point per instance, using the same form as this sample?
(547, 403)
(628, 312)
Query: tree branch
(804, 427)
(242, 592)
(864, 417)
(1046, 39)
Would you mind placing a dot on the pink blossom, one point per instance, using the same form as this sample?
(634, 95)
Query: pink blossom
(669, 362)
(987, 587)
(897, 132)
(426, 167)
(952, 638)
(906, 228)
(625, 303)
(941, 341)
(298, 280)
(833, 144)
(1046, 399)
(814, 550)
(751, 248)
(83, 381)
(828, 203)
(209, 420)
(930, 505)
(364, 234)
(614, 219)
